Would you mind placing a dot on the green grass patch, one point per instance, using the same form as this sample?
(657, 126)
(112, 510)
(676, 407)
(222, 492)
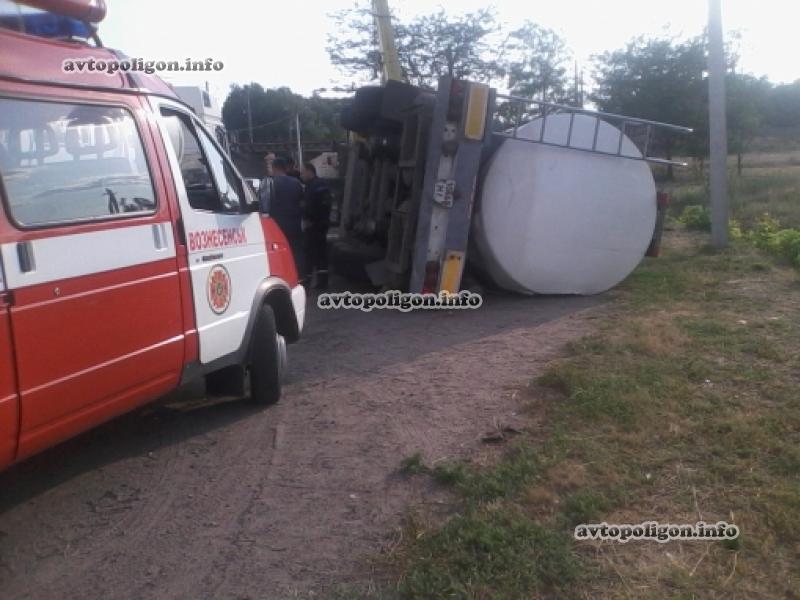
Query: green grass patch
(585, 506)
(413, 465)
(490, 553)
(521, 466)
(592, 395)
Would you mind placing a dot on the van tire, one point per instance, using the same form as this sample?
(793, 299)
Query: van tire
(266, 360)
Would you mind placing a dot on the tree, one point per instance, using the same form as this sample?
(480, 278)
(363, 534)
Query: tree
(746, 100)
(271, 112)
(428, 47)
(657, 79)
(273, 115)
(536, 62)
(354, 48)
(783, 105)
(664, 80)
(319, 119)
(456, 46)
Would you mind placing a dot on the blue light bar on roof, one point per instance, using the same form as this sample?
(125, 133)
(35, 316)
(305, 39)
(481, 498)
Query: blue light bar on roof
(46, 25)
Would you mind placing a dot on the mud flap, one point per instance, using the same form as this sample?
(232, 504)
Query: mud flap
(229, 381)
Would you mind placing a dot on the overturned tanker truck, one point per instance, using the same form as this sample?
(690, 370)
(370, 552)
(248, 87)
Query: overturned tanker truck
(534, 197)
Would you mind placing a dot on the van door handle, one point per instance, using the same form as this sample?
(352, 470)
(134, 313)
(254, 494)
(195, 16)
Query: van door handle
(160, 236)
(27, 261)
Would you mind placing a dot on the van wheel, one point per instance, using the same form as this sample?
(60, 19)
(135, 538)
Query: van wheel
(268, 359)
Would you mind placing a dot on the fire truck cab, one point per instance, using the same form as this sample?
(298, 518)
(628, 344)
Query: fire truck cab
(133, 256)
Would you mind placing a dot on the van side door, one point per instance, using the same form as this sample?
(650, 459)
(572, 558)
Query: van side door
(90, 259)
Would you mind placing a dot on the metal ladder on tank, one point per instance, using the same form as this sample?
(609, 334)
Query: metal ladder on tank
(639, 131)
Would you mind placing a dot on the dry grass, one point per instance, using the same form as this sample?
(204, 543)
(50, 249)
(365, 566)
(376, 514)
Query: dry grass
(715, 429)
(681, 407)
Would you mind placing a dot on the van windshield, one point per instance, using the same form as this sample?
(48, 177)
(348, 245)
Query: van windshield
(66, 162)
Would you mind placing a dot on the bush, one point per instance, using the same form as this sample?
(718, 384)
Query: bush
(735, 230)
(762, 232)
(768, 235)
(696, 217)
(687, 196)
(786, 243)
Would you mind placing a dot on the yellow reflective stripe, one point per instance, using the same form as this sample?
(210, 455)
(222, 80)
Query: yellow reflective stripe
(477, 105)
(451, 272)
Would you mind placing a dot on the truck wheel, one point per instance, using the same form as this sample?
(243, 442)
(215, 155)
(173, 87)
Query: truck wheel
(268, 359)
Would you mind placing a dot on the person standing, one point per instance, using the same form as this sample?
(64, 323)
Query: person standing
(285, 205)
(269, 158)
(316, 218)
(291, 169)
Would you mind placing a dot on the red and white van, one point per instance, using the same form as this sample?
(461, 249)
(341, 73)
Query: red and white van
(132, 254)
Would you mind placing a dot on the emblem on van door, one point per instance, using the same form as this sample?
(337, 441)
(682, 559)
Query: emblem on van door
(219, 289)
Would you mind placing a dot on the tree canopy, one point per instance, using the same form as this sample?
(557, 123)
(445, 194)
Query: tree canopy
(536, 61)
(783, 105)
(530, 60)
(273, 114)
(663, 78)
(428, 47)
(658, 79)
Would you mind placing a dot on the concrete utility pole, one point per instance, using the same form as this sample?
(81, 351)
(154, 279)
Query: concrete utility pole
(718, 143)
(383, 23)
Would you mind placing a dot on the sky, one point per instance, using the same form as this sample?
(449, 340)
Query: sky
(283, 44)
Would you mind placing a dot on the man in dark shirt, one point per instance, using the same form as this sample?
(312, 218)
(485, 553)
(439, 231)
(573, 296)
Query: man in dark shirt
(316, 217)
(286, 206)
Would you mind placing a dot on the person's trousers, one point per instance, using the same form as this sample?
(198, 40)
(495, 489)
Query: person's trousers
(297, 244)
(316, 254)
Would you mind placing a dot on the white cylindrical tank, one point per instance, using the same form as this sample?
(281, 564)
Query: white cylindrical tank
(557, 221)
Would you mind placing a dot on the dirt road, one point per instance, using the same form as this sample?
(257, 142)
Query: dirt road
(193, 498)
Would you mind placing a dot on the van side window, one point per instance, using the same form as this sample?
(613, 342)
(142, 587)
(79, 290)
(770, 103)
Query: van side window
(63, 163)
(229, 184)
(211, 183)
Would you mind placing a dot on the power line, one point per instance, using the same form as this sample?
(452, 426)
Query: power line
(281, 120)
